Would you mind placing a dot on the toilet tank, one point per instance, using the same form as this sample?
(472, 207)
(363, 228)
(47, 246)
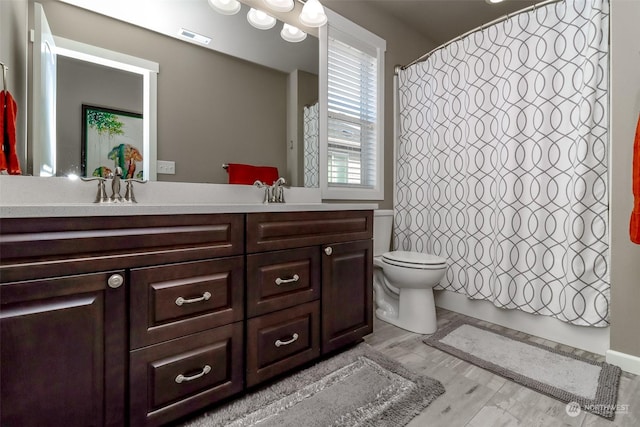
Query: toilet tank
(382, 228)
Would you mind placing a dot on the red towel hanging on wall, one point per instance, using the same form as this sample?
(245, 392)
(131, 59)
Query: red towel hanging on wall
(9, 158)
(248, 174)
(634, 229)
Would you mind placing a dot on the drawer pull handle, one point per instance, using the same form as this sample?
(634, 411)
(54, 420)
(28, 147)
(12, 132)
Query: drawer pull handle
(204, 297)
(181, 378)
(280, 281)
(293, 339)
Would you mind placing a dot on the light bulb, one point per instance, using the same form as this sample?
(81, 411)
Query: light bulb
(312, 14)
(280, 5)
(292, 34)
(260, 20)
(225, 7)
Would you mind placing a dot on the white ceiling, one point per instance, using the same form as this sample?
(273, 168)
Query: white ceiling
(443, 20)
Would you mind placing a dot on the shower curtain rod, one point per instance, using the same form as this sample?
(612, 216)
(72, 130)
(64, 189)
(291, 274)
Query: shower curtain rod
(480, 28)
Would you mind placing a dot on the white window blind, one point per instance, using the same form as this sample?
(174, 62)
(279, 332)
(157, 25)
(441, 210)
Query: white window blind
(352, 115)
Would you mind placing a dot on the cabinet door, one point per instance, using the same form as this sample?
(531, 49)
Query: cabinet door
(347, 293)
(63, 351)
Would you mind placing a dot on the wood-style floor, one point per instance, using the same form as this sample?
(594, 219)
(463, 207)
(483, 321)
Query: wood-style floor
(475, 397)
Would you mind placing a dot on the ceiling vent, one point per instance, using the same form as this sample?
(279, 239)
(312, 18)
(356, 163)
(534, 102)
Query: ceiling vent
(190, 35)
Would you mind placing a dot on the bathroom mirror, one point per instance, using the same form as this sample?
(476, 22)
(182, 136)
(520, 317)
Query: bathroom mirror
(216, 104)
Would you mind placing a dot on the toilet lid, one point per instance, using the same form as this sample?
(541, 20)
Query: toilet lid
(417, 258)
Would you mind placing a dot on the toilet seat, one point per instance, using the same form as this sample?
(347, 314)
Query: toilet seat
(416, 260)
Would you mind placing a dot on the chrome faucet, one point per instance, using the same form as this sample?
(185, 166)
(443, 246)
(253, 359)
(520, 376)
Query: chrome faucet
(272, 193)
(128, 195)
(277, 190)
(116, 179)
(115, 186)
(101, 197)
(261, 184)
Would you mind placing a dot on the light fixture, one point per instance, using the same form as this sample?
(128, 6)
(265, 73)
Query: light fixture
(280, 5)
(292, 34)
(261, 20)
(312, 14)
(494, 1)
(225, 7)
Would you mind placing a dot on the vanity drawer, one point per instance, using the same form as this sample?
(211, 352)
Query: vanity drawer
(280, 341)
(282, 279)
(44, 247)
(287, 230)
(173, 300)
(172, 379)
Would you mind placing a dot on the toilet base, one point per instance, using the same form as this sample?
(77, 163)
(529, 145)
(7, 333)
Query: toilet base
(417, 311)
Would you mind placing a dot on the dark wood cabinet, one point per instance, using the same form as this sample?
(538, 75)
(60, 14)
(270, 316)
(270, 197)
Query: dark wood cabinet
(140, 320)
(63, 351)
(335, 249)
(64, 330)
(347, 293)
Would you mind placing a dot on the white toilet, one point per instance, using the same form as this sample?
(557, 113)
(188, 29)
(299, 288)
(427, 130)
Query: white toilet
(403, 281)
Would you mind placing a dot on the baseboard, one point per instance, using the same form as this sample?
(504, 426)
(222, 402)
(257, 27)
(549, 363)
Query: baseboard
(595, 340)
(626, 362)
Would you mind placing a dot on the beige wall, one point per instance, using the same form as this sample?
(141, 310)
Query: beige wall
(212, 108)
(625, 106)
(403, 46)
(13, 53)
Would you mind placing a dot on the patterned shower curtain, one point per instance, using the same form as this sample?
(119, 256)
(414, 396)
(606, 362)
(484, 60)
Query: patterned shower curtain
(311, 146)
(502, 162)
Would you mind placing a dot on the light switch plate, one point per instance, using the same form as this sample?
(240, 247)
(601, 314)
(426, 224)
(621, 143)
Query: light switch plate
(166, 167)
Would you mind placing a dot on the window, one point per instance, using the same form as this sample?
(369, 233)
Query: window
(352, 162)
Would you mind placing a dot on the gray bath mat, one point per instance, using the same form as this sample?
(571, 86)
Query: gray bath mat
(360, 387)
(564, 376)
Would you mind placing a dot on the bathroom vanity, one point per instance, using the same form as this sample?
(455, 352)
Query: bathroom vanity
(140, 319)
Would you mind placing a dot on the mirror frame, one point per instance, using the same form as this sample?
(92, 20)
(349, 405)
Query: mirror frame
(149, 71)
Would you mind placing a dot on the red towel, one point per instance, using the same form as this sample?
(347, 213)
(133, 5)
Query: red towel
(248, 174)
(9, 158)
(634, 228)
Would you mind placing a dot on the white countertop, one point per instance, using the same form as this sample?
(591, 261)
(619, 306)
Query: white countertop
(120, 209)
(25, 197)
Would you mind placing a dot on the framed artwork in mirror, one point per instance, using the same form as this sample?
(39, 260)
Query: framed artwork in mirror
(111, 138)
